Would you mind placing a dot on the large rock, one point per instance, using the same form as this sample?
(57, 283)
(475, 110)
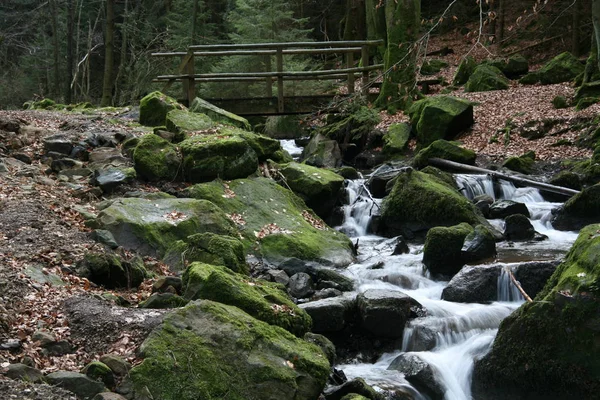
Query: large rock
(152, 226)
(442, 250)
(420, 201)
(579, 210)
(112, 271)
(319, 188)
(183, 123)
(384, 313)
(444, 150)
(465, 69)
(440, 117)
(225, 155)
(420, 374)
(276, 224)
(505, 208)
(486, 78)
(83, 386)
(523, 164)
(263, 300)
(155, 107)
(478, 245)
(156, 159)
(395, 141)
(218, 114)
(209, 350)
(513, 66)
(548, 348)
(322, 152)
(562, 68)
(517, 227)
(332, 314)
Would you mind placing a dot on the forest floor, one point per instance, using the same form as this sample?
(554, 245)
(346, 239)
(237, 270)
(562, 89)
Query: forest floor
(42, 235)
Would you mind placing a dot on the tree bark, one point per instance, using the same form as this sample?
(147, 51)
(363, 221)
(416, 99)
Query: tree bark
(354, 26)
(500, 26)
(403, 21)
(55, 46)
(438, 162)
(109, 37)
(194, 21)
(70, 55)
(596, 22)
(575, 37)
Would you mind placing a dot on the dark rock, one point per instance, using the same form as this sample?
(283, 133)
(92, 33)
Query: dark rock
(534, 275)
(325, 344)
(423, 335)
(325, 294)
(22, 157)
(401, 247)
(486, 78)
(116, 364)
(112, 271)
(330, 315)
(504, 208)
(357, 386)
(580, 210)
(58, 143)
(164, 283)
(522, 164)
(420, 374)
(478, 245)
(109, 396)
(43, 337)
(384, 313)
(279, 276)
(10, 125)
(442, 252)
(518, 227)
(111, 178)
(473, 284)
(322, 152)
(81, 385)
(65, 164)
(59, 348)
(484, 207)
(24, 373)
(164, 300)
(105, 237)
(11, 344)
(444, 150)
(99, 371)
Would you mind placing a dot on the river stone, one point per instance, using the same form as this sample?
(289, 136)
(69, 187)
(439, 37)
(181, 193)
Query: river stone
(99, 371)
(58, 143)
(154, 108)
(504, 208)
(322, 152)
(356, 386)
(533, 275)
(80, 384)
(478, 245)
(330, 315)
(579, 211)
(473, 284)
(151, 226)
(384, 313)
(111, 178)
(218, 114)
(279, 276)
(518, 227)
(227, 353)
(25, 373)
(442, 252)
(446, 151)
(116, 363)
(395, 141)
(325, 344)
(422, 335)
(301, 285)
(420, 374)
(321, 189)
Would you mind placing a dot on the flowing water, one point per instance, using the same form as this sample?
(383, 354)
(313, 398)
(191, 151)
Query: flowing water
(462, 332)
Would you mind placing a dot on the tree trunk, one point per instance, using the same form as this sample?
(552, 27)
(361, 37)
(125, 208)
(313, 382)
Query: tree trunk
(375, 19)
(55, 46)
(399, 85)
(500, 26)
(596, 21)
(354, 26)
(575, 37)
(120, 97)
(492, 16)
(70, 55)
(194, 21)
(109, 37)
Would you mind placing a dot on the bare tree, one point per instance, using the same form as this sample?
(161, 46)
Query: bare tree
(109, 38)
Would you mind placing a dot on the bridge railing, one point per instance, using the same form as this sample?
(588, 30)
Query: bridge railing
(278, 75)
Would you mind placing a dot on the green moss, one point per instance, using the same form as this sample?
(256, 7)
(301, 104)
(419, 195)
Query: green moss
(444, 150)
(45, 104)
(442, 250)
(464, 71)
(560, 102)
(264, 146)
(395, 141)
(208, 248)
(352, 125)
(440, 117)
(284, 127)
(486, 78)
(99, 371)
(163, 300)
(530, 79)
(432, 67)
(562, 68)
(263, 300)
(224, 155)
(154, 108)
(354, 396)
(446, 177)
(523, 164)
(211, 351)
(182, 122)
(156, 159)
(586, 102)
(261, 202)
(218, 114)
(420, 201)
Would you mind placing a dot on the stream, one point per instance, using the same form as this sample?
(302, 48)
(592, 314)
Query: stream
(463, 332)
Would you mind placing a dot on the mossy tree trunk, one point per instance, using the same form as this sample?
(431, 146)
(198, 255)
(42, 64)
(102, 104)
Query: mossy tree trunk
(596, 21)
(375, 17)
(402, 19)
(354, 20)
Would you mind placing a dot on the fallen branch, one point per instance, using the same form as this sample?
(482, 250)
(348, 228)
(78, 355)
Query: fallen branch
(438, 162)
(518, 285)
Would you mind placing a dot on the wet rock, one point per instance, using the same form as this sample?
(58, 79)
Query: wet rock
(116, 364)
(357, 386)
(442, 252)
(579, 211)
(473, 284)
(330, 315)
(59, 143)
(504, 208)
(420, 374)
(478, 245)
(164, 284)
(518, 227)
(279, 276)
(423, 335)
(322, 152)
(24, 373)
(325, 294)
(325, 344)
(401, 247)
(384, 313)
(534, 275)
(80, 384)
(111, 178)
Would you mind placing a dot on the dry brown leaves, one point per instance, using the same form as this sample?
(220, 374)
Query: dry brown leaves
(316, 223)
(237, 218)
(271, 229)
(279, 308)
(174, 217)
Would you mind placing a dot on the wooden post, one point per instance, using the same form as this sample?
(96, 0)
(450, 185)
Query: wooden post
(268, 79)
(364, 55)
(191, 86)
(350, 64)
(280, 105)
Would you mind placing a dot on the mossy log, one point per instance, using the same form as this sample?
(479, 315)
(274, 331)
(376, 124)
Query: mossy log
(438, 162)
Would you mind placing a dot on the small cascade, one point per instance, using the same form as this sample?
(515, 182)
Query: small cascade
(359, 210)
(507, 290)
(291, 147)
(472, 186)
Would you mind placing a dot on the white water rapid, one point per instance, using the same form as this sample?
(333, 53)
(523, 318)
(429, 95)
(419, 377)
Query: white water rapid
(460, 333)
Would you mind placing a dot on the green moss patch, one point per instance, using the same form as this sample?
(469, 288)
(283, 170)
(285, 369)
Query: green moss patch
(486, 78)
(154, 108)
(218, 114)
(156, 159)
(444, 150)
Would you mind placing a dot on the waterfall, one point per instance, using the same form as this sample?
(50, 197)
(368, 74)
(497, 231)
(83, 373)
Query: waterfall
(359, 210)
(472, 186)
(507, 291)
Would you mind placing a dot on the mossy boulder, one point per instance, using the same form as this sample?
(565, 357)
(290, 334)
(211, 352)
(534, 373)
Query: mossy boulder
(559, 102)
(440, 117)
(154, 108)
(218, 114)
(444, 150)
(99, 371)
(263, 300)
(486, 78)
(208, 350)
(224, 155)
(590, 89)
(155, 159)
(579, 211)
(464, 71)
(322, 152)
(112, 271)
(265, 147)
(442, 250)
(432, 67)
(419, 201)
(275, 223)
(153, 226)
(562, 68)
(395, 141)
(182, 123)
(512, 67)
(549, 348)
(319, 188)
(586, 102)
(284, 127)
(163, 300)
(523, 164)
(209, 248)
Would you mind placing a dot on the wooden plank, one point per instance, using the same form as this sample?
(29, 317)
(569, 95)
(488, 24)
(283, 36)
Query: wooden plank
(261, 79)
(268, 80)
(364, 56)
(347, 43)
(280, 100)
(261, 52)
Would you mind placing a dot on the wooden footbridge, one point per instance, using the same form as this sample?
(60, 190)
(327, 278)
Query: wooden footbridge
(276, 102)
